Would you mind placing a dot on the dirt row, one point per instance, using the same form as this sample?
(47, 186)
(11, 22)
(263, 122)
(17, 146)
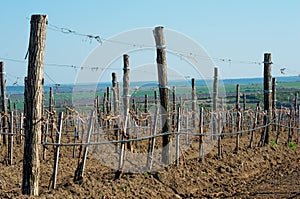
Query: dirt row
(271, 171)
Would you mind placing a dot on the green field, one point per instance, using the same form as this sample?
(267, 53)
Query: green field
(254, 93)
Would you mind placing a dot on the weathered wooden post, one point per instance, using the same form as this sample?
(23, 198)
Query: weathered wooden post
(3, 101)
(25, 94)
(238, 124)
(104, 111)
(290, 126)
(155, 98)
(267, 93)
(264, 133)
(219, 135)
(177, 136)
(11, 138)
(215, 102)
(81, 167)
(9, 109)
(134, 107)
(279, 124)
(201, 151)
(115, 94)
(108, 105)
(174, 108)
(21, 129)
(97, 107)
(118, 95)
(238, 116)
(126, 99)
(146, 104)
(153, 133)
(126, 105)
(56, 156)
(51, 100)
(237, 99)
(161, 60)
(146, 109)
(34, 105)
(244, 101)
(115, 90)
(215, 89)
(274, 102)
(296, 102)
(258, 108)
(194, 102)
(253, 127)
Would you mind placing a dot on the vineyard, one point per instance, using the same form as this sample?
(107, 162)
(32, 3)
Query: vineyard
(165, 142)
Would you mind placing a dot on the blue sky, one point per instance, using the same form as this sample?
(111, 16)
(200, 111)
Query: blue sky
(238, 30)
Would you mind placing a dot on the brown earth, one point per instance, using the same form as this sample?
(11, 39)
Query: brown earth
(272, 171)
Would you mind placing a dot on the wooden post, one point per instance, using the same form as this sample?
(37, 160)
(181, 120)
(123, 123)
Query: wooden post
(25, 100)
(296, 102)
(151, 149)
(97, 107)
(118, 97)
(237, 99)
(81, 167)
(3, 102)
(134, 106)
(115, 94)
(50, 108)
(201, 152)
(174, 109)
(126, 105)
(115, 106)
(215, 90)
(126, 97)
(11, 138)
(258, 116)
(194, 102)
(186, 118)
(215, 101)
(253, 127)
(290, 126)
(264, 133)
(155, 98)
(9, 105)
(267, 93)
(278, 124)
(274, 102)
(244, 101)
(274, 96)
(146, 107)
(108, 105)
(177, 136)
(298, 134)
(164, 92)
(238, 124)
(104, 104)
(46, 133)
(21, 128)
(219, 119)
(77, 132)
(146, 104)
(34, 105)
(56, 157)
(50, 118)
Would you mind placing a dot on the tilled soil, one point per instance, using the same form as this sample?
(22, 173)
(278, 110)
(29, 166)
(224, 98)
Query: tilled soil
(271, 171)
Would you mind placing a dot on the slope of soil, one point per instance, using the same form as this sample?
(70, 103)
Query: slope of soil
(272, 171)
